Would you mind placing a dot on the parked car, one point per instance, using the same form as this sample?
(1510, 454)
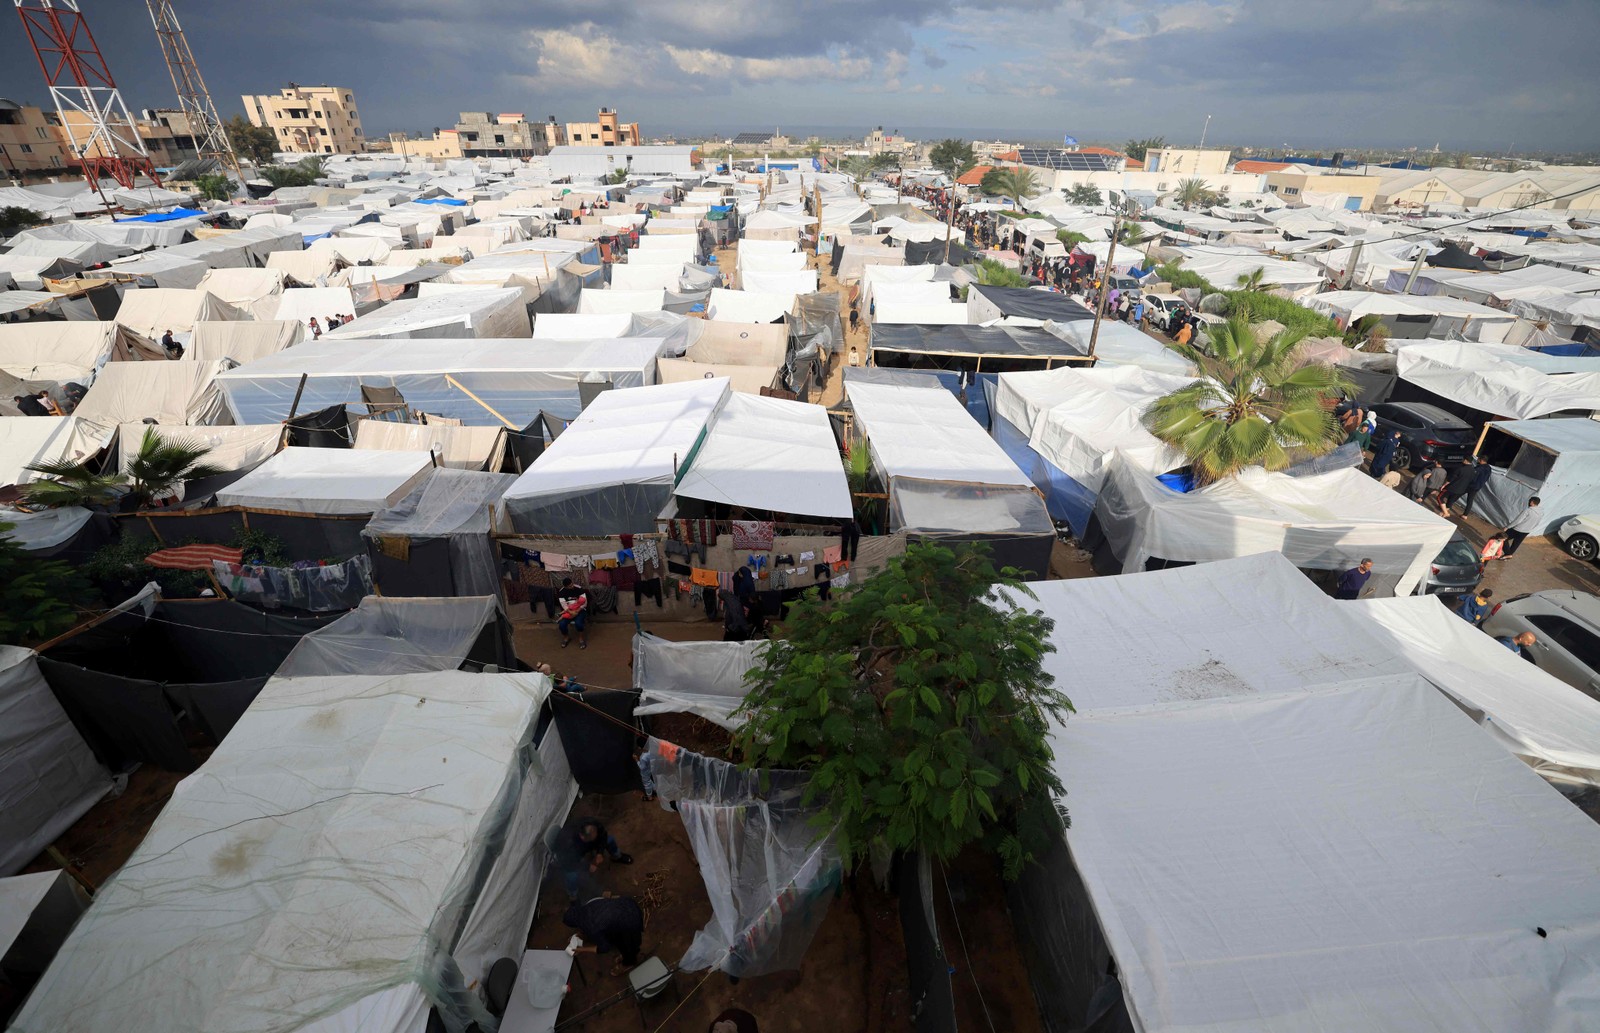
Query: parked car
(1426, 432)
(1456, 570)
(1160, 307)
(1128, 285)
(1566, 626)
(1581, 536)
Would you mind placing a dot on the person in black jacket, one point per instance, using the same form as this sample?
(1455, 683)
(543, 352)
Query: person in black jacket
(1480, 480)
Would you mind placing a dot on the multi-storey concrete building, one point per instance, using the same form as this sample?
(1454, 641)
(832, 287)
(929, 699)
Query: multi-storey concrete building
(309, 119)
(606, 132)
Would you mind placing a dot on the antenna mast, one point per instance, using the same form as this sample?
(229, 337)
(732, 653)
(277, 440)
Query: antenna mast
(205, 125)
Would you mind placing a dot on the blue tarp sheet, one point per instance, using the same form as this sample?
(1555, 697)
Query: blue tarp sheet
(442, 200)
(1065, 498)
(172, 216)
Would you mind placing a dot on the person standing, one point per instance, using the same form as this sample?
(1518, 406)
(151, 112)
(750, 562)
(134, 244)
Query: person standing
(1480, 480)
(1462, 476)
(1475, 608)
(316, 329)
(1383, 452)
(1527, 522)
(1352, 581)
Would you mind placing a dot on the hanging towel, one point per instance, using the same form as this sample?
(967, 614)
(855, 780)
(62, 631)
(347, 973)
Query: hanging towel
(831, 554)
(752, 534)
(556, 561)
(703, 577)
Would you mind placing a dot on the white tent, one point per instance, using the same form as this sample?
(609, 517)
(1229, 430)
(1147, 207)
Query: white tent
(1327, 521)
(777, 283)
(232, 449)
(1502, 380)
(917, 435)
(612, 470)
(55, 350)
(329, 480)
(242, 287)
(611, 302)
(443, 310)
(701, 678)
(168, 392)
(1315, 813)
(28, 440)
(769, 454)
(303, 304)
(242, 341)
(873, 275)
(747, 306)
(285, 886)
(1442, 315)
(157, 269)
(645, 277)
(153, 311)
(559, 326)
(1548, 723)
(50, 777)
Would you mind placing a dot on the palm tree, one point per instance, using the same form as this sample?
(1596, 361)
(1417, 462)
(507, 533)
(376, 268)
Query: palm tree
(161, 465)
(1251, 406)
(1193, 192)
(1131, 235)
(1252, 281)
(1016, 184)
(70, 483)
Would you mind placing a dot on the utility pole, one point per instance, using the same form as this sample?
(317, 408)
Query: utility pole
(1105, 283)
(205, 125)
(1350, 270)
(1416, 270)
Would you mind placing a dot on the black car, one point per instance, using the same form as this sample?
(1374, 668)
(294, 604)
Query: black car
(1426, 432)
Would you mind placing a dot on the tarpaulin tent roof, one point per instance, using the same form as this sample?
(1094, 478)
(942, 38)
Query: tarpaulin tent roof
(519, 378)
(995, 302)
(452, 508)
(748, 306)
(242, 287)
(1253, 764)
(915, 339)
(1552, 726)
(769, 454)
(30, 271)
(1452, 256)
(302, 304)
(1327, 521)
(329, 480)
(153, 311)
(753, 344)
(285, 886)
(1557, 459)
(600, 302)
(925, 437)
(1495, 379)
(50, 777)
(157, 269)
(168, 392)
(394, 637)
(612, 470)
(706, 679)
(231, 449)
(562, 326)
(644, 277)
(29, 440)
(1121, 345)
(459, 447)
(55, 350)
(437, 312)
(750, 380)
(243, 341)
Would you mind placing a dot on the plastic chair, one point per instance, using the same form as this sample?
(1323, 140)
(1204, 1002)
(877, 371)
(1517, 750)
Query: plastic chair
(498, 986)
(647, 980)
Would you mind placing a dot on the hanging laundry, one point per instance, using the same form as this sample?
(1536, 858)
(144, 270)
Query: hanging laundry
(556, 561)
(832, 554)
(753, 534)
(703, 577)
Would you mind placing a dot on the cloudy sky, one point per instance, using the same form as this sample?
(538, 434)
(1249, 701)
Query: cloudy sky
(1466, 74)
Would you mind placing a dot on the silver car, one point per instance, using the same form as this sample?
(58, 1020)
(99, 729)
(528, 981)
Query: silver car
(1566, 626)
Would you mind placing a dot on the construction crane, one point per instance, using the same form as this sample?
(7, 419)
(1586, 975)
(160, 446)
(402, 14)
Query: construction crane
(101, 133)
(205, 125)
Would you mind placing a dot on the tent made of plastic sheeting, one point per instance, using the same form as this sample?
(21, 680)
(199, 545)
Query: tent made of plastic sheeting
(1062, 425)
(243, 341)
(1548, 723)
(755, 344)
(873, 275)
(985, 303)
(157, 269)
(1500, 379)
(167, 392)
(483, 312)
(1223, 266)
(771, 261)
(1369, 805)
(29, 440)
(457, 447)
(1122, 345)
(37, 912)
(706, 679)
(242, 287)
(153, 311)
(510, 268)
(731, 306)
(404, 636)
(1555, 459)
(334, 914)
(230, 449)
(611, 302)
(1495, 288)
(1328, 521)
(915, 293)
(79, 251)
(560, 326)
(517, 378)
(768, 455)
(329, 481)
(303, 304)
(56, 350)
(436, 542)
(612, 470)
(50, 777)
(354, 250)
(850, 262)
(305, 268)
(1559, 308)
(645, 277)
(750, 380)
(968, 347)
(30, 271)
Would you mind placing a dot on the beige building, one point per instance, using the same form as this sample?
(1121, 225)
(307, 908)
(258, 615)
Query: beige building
(29, 142)
(487, 134)
(309, 119)
(1294, 182)
(555, 134)
(164, 132)
(445, 143)
(607, 132)
(1186, 161)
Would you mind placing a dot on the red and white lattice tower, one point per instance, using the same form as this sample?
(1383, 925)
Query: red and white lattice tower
(205, 125)
(102, 136)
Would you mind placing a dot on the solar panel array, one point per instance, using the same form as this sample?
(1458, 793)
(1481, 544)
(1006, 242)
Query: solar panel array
(1070, 161)
(752, 138)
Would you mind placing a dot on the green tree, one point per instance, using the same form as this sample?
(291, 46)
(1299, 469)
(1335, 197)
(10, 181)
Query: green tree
(952, 157)
(884, 162)
(1253, 280)
(303, 173)
(216, 187)
(1016, 183)
(70, 483)
(14, 218)
(992, 183)
(1071, 239)
(1251, 407)
(1130, 235)
(1194, 192)
(1085, 194)
(921, 708)
(1138, 150)
(996, 274)
(37, 602)
(162, 464)
(252, 142)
